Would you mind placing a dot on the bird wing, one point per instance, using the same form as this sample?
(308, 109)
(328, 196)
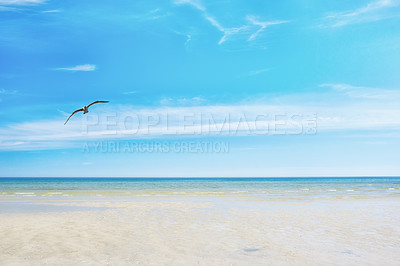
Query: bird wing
(97, 102)
(76, 111)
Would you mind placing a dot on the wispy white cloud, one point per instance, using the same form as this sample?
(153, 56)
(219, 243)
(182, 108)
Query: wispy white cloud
(52, 11)
(125, 122)
(227, 32)
(7, 8)
(8, 92)
(63, 112)
(363, 92)
(189, 38)
(21, 2)
(262, 24)
(19, 5)
(374, 11)
(182, 117)
(182, 101)
(130, 92)
(231, 31)
(256, 72)
(86, 67)
(153, 14)
(197, 4)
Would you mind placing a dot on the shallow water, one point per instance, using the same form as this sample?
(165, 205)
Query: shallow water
(206, 230)
(290, 221)
(30, 207)
(261, 188)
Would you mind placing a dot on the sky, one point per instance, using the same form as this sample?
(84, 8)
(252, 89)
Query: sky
(200, 88)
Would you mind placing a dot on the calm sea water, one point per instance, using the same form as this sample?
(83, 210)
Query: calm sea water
(279, 188)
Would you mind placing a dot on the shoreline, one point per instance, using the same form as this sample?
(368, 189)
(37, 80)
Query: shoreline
(203, 222)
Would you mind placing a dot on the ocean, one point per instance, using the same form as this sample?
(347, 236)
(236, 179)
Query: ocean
(260, 188)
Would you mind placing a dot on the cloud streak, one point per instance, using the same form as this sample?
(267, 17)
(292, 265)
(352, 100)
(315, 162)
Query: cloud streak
(14, 5)
(374, 11)
(262, 24)
(130, 92)
(52, 11)
(183, 101)
(21, 2)
(153, 14)
(363, 92)
(86, 67)
(8, 92)
(226, 31)
(255, 72)
(194, 3)
(229, 32)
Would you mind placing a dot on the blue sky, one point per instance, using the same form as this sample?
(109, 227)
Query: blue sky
(289, 88)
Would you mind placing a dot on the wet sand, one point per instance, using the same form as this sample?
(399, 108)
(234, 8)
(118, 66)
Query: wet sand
(201, 231)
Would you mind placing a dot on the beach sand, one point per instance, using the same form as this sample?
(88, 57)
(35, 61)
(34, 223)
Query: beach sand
(203, 231)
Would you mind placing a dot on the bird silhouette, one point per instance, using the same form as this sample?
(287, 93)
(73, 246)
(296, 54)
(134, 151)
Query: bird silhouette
(84, 109)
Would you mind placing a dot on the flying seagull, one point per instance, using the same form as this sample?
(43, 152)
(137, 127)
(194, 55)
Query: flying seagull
(84, 109)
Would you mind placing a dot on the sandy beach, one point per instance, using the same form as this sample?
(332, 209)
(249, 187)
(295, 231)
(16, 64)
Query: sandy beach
(201, 231)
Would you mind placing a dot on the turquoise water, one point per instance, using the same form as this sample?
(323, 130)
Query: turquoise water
(268, 188)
